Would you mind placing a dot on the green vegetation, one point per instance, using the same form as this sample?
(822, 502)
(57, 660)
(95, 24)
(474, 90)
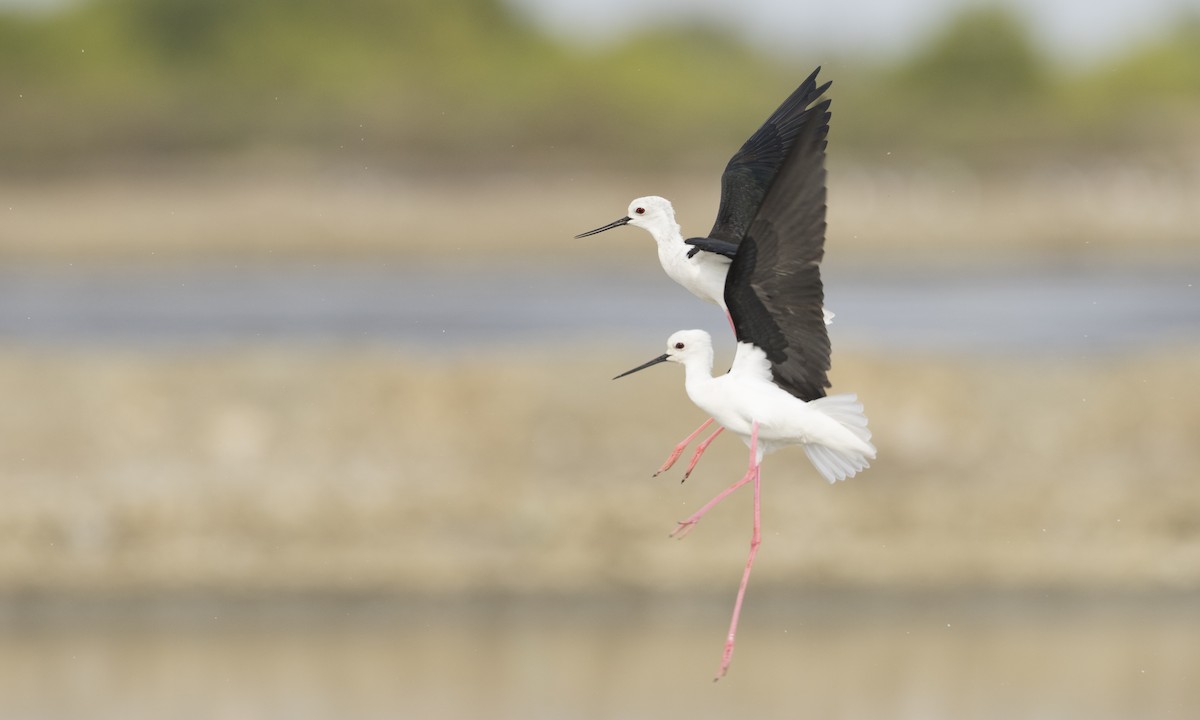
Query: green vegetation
(472, 81)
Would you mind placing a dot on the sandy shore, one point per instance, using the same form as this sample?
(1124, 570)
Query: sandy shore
(373, 470)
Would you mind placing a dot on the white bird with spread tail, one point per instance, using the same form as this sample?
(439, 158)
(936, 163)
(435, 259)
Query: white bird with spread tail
(774, 394)
(701, 264)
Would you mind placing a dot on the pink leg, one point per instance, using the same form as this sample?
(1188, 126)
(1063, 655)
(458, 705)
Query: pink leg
(700, 451)
(730, 319)
(755, 541)
(681, 447)
(685, 526)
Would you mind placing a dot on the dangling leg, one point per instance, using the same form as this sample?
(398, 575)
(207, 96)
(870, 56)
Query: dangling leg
(755, 541)
(700, 451)
(683, 446)
(685, 526)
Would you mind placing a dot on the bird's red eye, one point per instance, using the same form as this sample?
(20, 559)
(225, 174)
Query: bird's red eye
(640, 211)
(678, 346)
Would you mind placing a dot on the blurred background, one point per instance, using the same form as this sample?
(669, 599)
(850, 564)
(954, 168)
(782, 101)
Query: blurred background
(306, 401)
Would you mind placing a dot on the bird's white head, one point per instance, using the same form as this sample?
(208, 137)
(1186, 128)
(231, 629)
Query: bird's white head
(651, 213)
(684, 347)
(687, 344)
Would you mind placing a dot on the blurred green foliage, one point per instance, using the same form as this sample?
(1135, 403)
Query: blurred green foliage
(982, 55)
(472, 82)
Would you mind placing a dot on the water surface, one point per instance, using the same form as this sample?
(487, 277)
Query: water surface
(853, 656)
(1015, 309)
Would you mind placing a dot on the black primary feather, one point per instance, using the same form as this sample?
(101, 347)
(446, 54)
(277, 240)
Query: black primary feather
(752, 169)
(773, 289)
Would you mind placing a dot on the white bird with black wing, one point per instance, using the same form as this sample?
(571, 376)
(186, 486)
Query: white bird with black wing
(774, 395)
(701, 264)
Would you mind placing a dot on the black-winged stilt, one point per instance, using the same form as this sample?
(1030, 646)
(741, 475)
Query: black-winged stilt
(700, 264)
(774, 395)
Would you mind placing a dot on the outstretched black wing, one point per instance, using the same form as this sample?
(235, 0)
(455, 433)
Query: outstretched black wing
(751, 170)
(773, 289)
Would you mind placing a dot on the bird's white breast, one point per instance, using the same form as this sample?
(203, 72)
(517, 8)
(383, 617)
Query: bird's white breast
(702, 274)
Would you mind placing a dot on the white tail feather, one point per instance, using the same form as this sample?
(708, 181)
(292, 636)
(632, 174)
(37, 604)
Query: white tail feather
(839, 463)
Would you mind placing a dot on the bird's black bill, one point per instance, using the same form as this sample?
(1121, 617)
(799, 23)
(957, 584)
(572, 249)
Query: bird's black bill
(655, 361)
(610, 226)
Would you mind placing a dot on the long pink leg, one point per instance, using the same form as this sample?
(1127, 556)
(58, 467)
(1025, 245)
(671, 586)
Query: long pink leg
(700, 451)
(755, 541)
(685, 526)
(681, 447)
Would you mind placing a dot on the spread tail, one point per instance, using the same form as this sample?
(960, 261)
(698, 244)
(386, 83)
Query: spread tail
(849, 457)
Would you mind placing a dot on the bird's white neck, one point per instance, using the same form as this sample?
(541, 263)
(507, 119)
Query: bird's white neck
(698, 369)
(665, 232)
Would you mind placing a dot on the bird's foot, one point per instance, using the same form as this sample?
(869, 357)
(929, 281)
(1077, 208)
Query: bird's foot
(675, 455)
(700, 451)
(684, 527)
(683, 444)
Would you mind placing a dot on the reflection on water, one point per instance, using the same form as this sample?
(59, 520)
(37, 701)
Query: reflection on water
(840, 657)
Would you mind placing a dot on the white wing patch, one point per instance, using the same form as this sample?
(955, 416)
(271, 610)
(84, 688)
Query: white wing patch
(751, 361)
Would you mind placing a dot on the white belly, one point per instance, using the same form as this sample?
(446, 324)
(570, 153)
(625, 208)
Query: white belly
(703, 274)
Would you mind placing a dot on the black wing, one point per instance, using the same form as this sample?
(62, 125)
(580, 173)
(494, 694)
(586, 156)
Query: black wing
(773, 289)
(717, 247)
(751, 170)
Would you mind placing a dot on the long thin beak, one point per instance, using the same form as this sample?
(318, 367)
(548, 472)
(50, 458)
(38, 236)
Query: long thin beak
(610, 226)
(655, 361)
